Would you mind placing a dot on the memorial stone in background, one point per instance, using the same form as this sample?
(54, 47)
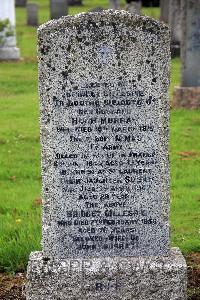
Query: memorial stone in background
(191, 43)
(58, 8)
(175, 25)
(32, 14)
(97, 9)
(134, 7)
(114, 4)
(74, 2)
(21, 3)
(8, 49)
(103, 82)
(188, 95)
(164, 10)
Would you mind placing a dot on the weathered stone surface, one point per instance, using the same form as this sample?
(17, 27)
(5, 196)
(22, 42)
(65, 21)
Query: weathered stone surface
(104, 131)
(58, 8)
(190, 50)
(117, 278)
(186, 97)
(8, 49)
(103, 82)
(32, 14)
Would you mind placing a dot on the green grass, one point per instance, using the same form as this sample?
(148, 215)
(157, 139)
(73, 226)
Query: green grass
(20, 182)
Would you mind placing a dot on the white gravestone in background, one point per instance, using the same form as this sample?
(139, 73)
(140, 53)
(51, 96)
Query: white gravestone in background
(103, 81)
(188, 95)
(8, 48)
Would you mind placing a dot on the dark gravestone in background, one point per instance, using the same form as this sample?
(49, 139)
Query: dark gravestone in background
(134, 7)
(188, 95)
(58, 8)
(175, 26)
(164, 11)
(32, 14)
(21, 3)
(114, 4)
(74, 2)
(191, 43)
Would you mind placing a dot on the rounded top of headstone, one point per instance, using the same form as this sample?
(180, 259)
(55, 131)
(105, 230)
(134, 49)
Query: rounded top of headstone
(106, 17)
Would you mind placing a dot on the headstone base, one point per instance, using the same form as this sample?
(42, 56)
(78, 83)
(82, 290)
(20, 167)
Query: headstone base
(186, 97)
(116, 278)
(9, 53)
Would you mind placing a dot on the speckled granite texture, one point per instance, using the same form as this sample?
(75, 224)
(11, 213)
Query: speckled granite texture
(116, 278)
(103, 81)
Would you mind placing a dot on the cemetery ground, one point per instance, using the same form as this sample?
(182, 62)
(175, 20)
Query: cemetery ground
(20, 179)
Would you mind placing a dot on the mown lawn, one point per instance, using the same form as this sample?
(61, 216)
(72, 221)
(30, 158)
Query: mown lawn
(20, 182)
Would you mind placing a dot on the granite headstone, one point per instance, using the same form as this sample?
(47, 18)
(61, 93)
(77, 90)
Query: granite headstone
(188, 95)
(103, 81)
(8, 49)
(106, 159)
(32, 14)
(58, 8)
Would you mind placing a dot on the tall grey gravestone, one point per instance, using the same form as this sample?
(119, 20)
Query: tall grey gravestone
(188, 95)
(175, 26)
(32, 14)
(58, 8)
(103, 81)
(164, 11)
(134, 7)
(8, 49)
(114, 4)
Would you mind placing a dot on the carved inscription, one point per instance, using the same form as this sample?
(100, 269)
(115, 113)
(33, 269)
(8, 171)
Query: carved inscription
(102, 165)
(104, 137)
